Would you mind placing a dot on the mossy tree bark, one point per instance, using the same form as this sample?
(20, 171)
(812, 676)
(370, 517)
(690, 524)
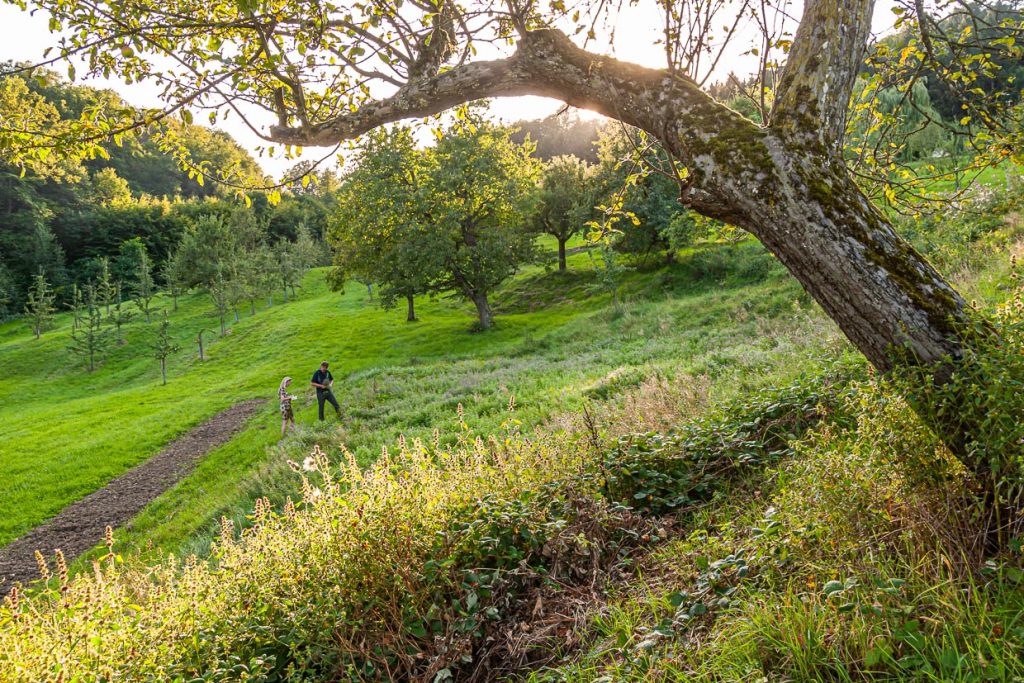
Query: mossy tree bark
(483, 309)
(785, 182)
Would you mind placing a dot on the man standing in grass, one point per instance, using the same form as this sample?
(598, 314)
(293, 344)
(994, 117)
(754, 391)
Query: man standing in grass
(323, 380)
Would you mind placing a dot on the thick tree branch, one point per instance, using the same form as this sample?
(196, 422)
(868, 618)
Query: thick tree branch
(814, 93)
(548, 64)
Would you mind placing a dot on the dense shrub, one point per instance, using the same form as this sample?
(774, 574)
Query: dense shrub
(405, 570)
(855, 559)
(665, 472)
(981, 407)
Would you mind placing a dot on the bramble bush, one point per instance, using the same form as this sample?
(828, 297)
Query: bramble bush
(662, 473)
(858, 557)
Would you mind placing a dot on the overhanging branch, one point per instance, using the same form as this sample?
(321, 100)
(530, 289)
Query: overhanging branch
(547, 64)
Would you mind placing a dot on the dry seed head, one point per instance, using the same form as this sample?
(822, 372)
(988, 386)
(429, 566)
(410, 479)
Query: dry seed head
(294, 466)
(459, 411)
(62, 569)
(44, 570)
(108, 536)
(12, 601)
(227, 530)
(401, 441)
(511, 403)
(437, 439)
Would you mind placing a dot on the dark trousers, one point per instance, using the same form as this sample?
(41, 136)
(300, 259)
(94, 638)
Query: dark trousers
(327, 395)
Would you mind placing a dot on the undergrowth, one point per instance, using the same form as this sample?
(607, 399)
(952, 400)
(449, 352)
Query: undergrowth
(860, 554)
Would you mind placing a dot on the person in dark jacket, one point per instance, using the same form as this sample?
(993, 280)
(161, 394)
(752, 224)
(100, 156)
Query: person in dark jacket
(323, 381)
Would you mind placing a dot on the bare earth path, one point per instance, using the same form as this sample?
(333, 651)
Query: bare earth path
(80, 526)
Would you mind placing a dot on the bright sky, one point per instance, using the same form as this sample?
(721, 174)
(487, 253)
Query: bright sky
(24, 37)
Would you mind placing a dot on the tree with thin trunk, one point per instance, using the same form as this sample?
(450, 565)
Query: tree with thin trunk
(565, 201)
(219, 290)
(39, 305)
(104, 287)
(77, 306)
(174, 278)
(783, 177)
(145, 288)
(92, 339)
(289, 268)
(118, 315)
(163, 345)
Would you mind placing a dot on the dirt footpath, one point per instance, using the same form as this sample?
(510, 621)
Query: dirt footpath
(80, 526)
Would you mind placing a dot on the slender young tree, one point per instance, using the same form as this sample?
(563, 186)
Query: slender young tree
(104, 287)
(118, 315)
(76, 306)
(220, 293)
(91, 340)
(163, 345)
(39, 306)
(289, 268)
(174, 278)
(145, 288)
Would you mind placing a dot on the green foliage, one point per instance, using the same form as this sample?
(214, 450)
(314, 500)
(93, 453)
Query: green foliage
(661, 473)
(91, 339)
(610, 271)
(639, 182)
(565, 201)
(39, 307)
(853, 558)
(447, 219)
(164, 345)
(145, 287)
(560, 135)
(946, 83)
(396, 570)
(63, 210)
(378, 232)
(118, 314)
(981, 404)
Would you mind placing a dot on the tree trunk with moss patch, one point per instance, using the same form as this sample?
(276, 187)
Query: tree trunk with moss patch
(785, 182)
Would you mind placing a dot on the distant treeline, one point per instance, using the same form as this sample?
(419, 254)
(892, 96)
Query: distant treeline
(64, 218)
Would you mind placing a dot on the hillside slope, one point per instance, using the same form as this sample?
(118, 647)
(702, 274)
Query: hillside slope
(66, 432)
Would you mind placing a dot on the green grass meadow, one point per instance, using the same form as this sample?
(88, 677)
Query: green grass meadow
(719, 312)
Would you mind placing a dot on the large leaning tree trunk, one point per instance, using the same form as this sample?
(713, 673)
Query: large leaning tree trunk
(785, 182)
